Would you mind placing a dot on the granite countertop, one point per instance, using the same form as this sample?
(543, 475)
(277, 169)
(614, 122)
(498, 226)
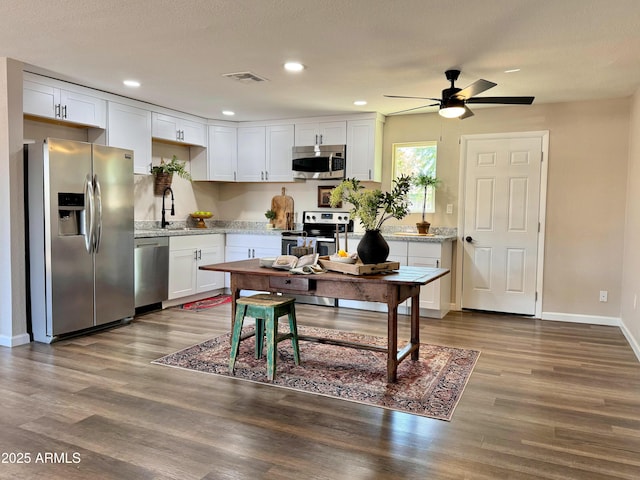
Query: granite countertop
(152, 229)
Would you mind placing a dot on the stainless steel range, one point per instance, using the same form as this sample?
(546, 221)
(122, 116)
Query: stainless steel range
(323, 229)
(325, 232)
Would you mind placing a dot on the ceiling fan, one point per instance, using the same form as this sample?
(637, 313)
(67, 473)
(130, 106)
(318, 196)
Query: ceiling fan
(453, 103)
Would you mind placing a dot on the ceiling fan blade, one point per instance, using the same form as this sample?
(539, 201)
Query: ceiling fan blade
(475, 88)
(415, 108)
(421, 98)
(504, 100)
(467, 113)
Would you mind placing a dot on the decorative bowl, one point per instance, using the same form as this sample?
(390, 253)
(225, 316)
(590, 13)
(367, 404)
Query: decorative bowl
(200, 219)
(201, 215)
(267, 262)
(348, 259)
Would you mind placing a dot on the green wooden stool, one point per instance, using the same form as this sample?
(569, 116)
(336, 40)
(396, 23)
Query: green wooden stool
(266, 309)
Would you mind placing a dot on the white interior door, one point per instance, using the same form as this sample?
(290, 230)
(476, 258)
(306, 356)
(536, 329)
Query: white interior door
(501, 222)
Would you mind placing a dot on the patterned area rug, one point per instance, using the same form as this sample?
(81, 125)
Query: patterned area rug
(207, 303)
(431, 386)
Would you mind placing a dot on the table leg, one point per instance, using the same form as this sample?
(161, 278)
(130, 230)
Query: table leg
(415, 325)
(392, 334)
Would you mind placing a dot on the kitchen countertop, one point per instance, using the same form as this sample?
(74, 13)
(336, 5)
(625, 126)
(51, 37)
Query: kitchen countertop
(181, 231)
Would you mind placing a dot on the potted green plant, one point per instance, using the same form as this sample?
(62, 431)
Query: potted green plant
(271, 216)
(373, 208)
(424, 181)
(164, 171)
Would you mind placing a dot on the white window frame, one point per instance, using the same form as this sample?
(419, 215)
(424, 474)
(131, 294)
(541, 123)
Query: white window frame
(416, 194)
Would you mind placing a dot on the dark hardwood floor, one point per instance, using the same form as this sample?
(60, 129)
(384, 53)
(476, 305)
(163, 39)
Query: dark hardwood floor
(547, 400)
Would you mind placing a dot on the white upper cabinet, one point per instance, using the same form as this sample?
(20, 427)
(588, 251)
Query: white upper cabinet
(264, 153)
(280, 140)
(252, 154)
(178, 130)
(321, 133)
(221, 162)
(45, 100)
(364, 149)
(130, 127)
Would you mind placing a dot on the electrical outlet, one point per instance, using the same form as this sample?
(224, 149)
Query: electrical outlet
(449, 208)
(603, 295)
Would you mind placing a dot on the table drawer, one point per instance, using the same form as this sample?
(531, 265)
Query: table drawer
(287, 283)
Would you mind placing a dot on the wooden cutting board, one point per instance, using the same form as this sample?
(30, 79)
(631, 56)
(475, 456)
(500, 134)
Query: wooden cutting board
(283, 206)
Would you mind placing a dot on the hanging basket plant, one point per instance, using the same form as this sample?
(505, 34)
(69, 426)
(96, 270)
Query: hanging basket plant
(163, 174)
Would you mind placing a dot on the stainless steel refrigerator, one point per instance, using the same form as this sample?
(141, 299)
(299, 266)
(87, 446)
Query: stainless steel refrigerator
(80, 210)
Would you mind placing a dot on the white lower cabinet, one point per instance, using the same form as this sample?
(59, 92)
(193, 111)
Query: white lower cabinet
(435, 297)
(242, 246)
(397, 253)
(186, 255)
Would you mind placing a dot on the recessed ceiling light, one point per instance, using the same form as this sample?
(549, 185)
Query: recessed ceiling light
(132, 83)
(293, 67)
(228, 112)
(513, 70)
(360, 102)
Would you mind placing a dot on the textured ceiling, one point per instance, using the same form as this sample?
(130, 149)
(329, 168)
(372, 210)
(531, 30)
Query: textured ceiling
(567, 50)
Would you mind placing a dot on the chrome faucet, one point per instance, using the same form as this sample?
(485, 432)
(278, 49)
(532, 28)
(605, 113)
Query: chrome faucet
(163, 222)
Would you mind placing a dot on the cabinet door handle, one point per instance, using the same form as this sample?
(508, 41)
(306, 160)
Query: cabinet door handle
(199, 254)
(316, 139)
(56, 112)
(437, 263)
(253, 253)
(321, 139)
(195, 254)
(266, 175)
(261, 175)
(177, 134)
(64, 111)
(248, 253)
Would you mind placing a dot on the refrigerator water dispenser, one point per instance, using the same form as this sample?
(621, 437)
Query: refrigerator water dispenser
(71, 214)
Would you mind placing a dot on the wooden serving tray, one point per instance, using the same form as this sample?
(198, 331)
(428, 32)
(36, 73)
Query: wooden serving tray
(358, 268)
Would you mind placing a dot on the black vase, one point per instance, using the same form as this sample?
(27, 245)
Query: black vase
(373, 248)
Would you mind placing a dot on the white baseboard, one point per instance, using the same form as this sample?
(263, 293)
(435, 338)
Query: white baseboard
(14, 341)
(635, 346)
(581, 318)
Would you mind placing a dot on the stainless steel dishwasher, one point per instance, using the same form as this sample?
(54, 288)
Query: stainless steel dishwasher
(151, 257)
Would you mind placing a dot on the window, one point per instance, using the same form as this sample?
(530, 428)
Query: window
(414, 158)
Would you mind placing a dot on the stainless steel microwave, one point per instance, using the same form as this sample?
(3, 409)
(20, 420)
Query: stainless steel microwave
(319, 162)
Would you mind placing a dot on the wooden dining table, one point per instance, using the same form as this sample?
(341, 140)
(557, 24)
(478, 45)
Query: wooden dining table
(391, 288)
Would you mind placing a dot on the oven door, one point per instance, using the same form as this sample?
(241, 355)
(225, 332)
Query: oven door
(325, 246)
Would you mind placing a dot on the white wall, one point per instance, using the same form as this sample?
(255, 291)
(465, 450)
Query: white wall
(630, 299)
(13, 326)
(586, 191)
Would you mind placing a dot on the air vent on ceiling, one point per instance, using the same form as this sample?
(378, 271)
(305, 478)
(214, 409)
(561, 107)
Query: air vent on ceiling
(245, 77)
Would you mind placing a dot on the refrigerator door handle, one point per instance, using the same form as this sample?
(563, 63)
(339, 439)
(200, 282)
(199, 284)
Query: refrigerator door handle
(88, 212)
(98, 217)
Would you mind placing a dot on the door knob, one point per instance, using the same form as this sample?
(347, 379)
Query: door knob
(468, 239)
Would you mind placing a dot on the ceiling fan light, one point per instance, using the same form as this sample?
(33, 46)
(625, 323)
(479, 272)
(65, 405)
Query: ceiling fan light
(451, 112)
